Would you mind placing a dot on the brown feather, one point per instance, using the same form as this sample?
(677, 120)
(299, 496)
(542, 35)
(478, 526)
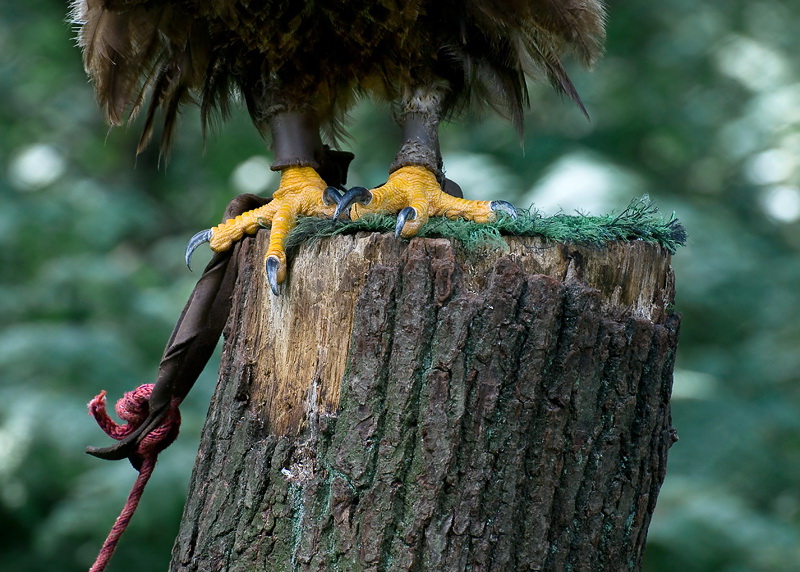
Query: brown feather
(160, 89)
(103, 38)
(320, 56)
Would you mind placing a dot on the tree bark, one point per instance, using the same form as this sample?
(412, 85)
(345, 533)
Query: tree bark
(408, 406)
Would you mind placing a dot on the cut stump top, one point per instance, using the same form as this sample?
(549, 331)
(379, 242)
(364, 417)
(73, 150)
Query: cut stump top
(297, 343)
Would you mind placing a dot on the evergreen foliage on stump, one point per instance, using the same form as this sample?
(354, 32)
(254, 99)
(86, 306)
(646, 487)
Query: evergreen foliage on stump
(411, 406)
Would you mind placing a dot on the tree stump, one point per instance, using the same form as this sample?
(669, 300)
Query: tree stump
(408, 406)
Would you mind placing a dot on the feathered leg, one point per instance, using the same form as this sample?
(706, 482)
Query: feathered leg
(417, 188)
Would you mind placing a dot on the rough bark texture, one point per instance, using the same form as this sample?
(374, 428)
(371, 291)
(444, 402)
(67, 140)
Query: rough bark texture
(407, 406)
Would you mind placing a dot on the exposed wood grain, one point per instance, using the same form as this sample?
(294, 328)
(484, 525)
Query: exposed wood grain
(410, 406)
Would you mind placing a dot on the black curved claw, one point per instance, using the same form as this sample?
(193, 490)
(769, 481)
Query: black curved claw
(355, 195)
(503, 207)
(194, 242)
(331, 196)
(273, 263)
(408, 213)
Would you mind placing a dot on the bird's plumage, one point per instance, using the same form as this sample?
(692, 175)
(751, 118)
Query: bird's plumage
(319, 56)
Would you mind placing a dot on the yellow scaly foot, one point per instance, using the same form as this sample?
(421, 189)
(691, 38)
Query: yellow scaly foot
(301, 192)
(414, 194)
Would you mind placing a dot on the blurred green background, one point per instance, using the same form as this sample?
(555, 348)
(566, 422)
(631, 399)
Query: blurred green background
(696, 104)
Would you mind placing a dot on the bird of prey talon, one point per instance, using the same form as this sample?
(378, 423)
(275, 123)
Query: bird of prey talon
(428, 59)
(331, 196)
(408, 213)
(354, 195)
(274, 267)
(200, 238)
(414, 194)
(504, 207)
(301, 192)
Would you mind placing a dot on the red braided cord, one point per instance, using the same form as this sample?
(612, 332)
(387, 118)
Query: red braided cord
(107, 551)
(133, 408)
